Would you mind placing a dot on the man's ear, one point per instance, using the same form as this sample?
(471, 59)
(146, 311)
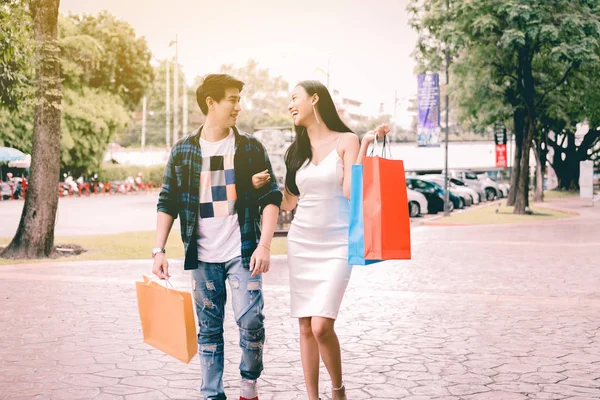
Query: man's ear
(210, 102)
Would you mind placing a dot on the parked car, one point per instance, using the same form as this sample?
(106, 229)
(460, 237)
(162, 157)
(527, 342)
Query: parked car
(504, 188)
(417, 203)
(432, 192)
(466, 195)
(456, 201)
(491, 189)
(490, 183)
(478, 191)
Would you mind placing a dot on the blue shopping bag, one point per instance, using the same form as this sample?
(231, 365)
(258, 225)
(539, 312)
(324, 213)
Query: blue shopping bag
(356, 234)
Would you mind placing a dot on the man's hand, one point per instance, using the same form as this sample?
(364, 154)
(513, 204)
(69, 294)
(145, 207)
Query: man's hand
(161, 266)
(261, 179)
(260, 261)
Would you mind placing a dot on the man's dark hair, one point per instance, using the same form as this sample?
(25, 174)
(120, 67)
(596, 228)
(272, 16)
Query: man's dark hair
(214, 86)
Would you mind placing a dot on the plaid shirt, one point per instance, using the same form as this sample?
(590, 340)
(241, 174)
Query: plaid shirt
(180, 194)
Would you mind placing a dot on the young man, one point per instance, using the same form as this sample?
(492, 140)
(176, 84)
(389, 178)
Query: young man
(208, 183)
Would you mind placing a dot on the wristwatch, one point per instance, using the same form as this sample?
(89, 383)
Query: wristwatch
(157, 250)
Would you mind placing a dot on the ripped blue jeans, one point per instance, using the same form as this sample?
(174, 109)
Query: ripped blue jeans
(210, 296)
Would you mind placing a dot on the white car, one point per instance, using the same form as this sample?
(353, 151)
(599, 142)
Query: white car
(478, 193)
(504, 188)
(492, 188)
(417, 203)
(479, 183)
(468, 196)
(467, 191)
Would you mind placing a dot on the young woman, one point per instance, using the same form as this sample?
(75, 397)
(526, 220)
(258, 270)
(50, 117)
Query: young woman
(319, 167)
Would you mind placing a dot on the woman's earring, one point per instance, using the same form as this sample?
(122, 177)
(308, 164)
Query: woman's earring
(315, 111)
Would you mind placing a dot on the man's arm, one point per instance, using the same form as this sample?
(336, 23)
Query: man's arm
(167, 199)
(167, 212)
(164, 223)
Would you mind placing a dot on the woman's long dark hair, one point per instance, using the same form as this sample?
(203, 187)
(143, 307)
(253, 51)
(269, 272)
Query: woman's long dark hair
(300, 150)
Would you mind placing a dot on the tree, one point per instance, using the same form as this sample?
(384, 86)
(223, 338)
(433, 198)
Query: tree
(125, 68)
(16, 48)
(580, 97)
(530, 48)
(156, 113)
(91, 115)
(264, 98)
(16, 127)
(35, 234)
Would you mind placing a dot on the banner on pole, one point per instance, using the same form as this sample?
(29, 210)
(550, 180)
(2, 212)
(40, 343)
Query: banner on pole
(428, 98)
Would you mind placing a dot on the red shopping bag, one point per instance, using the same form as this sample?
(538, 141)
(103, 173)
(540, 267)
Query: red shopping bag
(385, 208)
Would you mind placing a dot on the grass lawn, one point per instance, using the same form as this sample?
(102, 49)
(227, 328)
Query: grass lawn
(124, 246)
(488, 215)
(550, 195)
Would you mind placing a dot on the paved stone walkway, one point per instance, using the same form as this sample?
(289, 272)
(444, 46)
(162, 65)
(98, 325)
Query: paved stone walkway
(480, 313)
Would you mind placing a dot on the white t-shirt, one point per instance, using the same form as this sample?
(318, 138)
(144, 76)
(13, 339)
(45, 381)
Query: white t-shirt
(218, 229)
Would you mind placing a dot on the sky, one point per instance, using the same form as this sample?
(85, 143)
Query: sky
(366, 45)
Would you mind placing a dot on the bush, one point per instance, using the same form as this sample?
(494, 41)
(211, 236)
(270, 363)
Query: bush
(117, 172)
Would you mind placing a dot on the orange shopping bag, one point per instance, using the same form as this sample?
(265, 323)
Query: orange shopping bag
(385, 210)
(167, 317)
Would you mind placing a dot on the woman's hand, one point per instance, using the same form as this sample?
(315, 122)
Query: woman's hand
(261, 179)
(369, 138)
(378, 133)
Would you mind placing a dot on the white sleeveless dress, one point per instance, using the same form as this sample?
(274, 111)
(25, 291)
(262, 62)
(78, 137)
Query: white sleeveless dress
(318, 240)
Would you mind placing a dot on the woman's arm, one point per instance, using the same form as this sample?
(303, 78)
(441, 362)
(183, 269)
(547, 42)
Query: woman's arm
(350, 148)
(289, 201)
(354, 153)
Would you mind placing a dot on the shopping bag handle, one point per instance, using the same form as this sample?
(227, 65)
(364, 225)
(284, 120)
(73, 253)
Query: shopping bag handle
(385, 145)
(167, 283)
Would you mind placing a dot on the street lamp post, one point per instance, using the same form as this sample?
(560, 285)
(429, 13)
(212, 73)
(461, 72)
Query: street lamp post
(185, 111)
(144, 106)
(175, 92)
(395, 130)
(446, 185)
(168, 106)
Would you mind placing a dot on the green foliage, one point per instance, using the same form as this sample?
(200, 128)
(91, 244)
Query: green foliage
(16, 53)
(105, 70)
(16, 129)
(123, 67)
(110, 173)
(156, 113)
(523, 61)
(90, 118)
(81, 54)
(264, 98)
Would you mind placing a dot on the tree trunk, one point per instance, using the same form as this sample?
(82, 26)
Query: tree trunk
(567, 170)
(538, 196)
(35, 235)
(527, 91)
(568, 175)
(518, 117)
(522, 197)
